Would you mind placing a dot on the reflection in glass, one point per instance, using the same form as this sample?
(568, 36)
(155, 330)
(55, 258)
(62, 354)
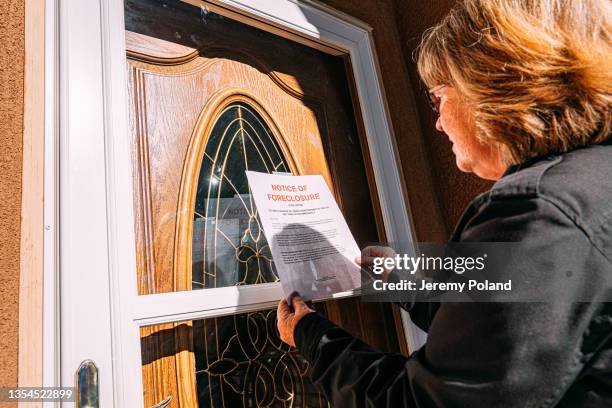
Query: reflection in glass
(228, 246)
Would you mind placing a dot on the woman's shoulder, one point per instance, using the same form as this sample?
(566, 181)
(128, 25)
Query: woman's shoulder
(568, 194)
(578, 183)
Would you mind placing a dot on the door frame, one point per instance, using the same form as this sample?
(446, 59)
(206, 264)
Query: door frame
(89, 242)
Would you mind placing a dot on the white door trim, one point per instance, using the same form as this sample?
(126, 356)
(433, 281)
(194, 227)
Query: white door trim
(51, 313)
(97, 267)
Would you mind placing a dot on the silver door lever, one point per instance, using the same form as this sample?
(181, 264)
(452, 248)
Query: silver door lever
(164, 403)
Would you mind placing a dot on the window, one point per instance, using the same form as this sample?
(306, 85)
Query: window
(241, 362)
(229, 247)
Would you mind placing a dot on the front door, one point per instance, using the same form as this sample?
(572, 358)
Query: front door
(208, 97)
(211, 97)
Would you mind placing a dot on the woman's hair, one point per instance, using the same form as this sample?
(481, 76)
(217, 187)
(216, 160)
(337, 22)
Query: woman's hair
(538, 73)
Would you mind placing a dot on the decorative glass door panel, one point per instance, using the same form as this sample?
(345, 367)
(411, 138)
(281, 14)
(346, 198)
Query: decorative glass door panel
(228, 246)
(239, 361)
(210, 97)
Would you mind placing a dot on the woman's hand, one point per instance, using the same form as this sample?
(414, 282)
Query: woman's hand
(369, 253)
(287, 321)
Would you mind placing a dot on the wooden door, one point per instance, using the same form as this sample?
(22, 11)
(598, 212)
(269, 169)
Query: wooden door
(209, 98)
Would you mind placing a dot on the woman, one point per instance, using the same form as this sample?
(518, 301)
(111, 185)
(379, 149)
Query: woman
(523, 91)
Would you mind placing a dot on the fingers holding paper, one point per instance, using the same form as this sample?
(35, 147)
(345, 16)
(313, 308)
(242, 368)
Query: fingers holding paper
(287, 320)
(370, 253)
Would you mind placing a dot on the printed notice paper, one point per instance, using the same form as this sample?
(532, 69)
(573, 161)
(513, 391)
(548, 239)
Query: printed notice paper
(313, 248)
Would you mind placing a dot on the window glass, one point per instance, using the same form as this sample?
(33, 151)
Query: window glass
(241, 362)
(228, 246)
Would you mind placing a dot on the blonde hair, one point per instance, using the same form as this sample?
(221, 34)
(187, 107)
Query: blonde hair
(537, 72)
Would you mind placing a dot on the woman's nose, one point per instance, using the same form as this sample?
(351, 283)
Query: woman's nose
(439, 127)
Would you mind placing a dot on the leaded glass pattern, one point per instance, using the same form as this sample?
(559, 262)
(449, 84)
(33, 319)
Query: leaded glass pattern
(240, 359)
(241, 362)
(228, 246)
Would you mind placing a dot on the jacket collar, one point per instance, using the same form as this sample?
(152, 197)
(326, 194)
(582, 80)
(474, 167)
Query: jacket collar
(527, 163)
(530, 162)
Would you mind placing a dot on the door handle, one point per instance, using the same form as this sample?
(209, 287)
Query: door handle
(86, 379)
(164, 403)
(86, 382)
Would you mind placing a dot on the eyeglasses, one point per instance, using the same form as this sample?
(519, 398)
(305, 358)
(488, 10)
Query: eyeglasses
(434, 101)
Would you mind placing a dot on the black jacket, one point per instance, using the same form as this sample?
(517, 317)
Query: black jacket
(557, 353)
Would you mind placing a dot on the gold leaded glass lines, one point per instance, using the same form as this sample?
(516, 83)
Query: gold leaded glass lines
(240, 360)
(228, 245)
(243, 363)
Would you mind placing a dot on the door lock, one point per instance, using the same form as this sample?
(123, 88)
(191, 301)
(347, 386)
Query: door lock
(86, 379)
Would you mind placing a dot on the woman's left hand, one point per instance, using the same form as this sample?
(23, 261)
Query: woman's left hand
(287, 320)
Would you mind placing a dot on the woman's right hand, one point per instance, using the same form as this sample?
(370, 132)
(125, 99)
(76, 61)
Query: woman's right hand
(368, 254)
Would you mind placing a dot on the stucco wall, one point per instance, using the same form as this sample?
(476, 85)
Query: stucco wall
(11, 118)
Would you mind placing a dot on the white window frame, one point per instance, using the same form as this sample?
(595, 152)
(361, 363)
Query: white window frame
(89, 233)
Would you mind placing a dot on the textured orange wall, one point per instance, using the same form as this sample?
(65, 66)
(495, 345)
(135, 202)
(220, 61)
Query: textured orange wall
(11, 128)
(453, 189)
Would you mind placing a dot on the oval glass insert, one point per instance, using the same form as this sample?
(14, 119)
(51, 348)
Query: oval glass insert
(227, 245)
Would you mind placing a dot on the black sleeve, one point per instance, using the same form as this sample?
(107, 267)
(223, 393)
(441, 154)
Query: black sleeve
(477, 354)
(421, 313)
